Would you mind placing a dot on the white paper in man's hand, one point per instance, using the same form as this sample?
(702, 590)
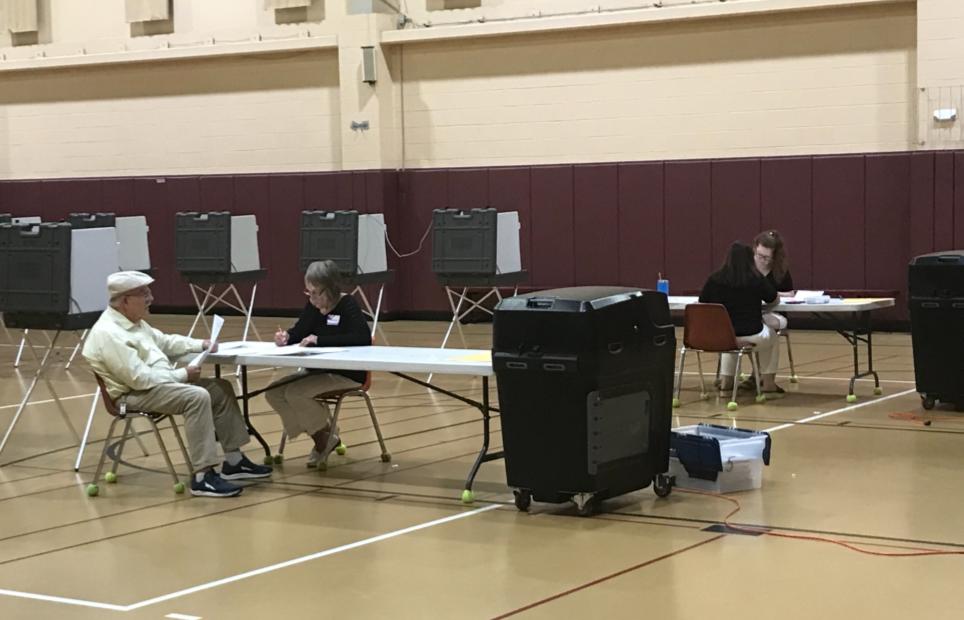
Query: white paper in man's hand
(216, 326)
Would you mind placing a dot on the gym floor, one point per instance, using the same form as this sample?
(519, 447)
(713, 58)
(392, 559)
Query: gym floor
(369, 539)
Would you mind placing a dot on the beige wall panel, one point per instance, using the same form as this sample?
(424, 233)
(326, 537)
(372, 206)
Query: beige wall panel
(259, 114)
(830, 81)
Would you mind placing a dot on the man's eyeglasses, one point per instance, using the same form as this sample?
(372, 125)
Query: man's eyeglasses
(763, 257)
(314, 294)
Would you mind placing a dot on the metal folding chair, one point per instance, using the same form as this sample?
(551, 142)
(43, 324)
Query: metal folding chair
(335, 398)
(707, 328)
(121, 413)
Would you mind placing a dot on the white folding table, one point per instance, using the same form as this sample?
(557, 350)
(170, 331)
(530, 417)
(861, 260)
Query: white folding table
(837, 311)
(400, 361)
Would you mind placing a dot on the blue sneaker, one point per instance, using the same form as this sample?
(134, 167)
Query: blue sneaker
(212, 485)
(244, 470)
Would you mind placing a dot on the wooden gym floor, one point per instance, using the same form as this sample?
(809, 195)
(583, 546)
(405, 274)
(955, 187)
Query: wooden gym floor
(370, 540)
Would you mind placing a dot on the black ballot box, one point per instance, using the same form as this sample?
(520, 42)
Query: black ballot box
(936, 297)
(585, 380)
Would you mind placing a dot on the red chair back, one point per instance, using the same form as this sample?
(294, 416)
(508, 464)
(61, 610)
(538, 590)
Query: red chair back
(708, 327)
(109, 403)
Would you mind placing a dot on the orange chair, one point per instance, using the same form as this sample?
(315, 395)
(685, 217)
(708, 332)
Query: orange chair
(707, 328)
(120, 412)
(335, 398)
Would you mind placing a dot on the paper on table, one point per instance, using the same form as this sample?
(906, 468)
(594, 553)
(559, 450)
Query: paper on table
(804, 295)
(216, 326)
(235, 349)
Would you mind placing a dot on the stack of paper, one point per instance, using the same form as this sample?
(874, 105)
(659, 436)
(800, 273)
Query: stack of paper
(811, 297)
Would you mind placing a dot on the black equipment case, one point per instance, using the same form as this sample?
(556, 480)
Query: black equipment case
(585, 380)
(936, 287)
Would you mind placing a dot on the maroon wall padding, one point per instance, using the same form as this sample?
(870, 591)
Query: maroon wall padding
(250, 197)
(422, 191)
(786, 196)
(596, 224)
(285, 202)
(959, 200)
(468, 188)
(944, 201)
(735, 207)
(887, 241)
(641, 231)
(850, 222)
(921, 203)
(552, 263)
(509, 191)
(838, 221)
(688, 225)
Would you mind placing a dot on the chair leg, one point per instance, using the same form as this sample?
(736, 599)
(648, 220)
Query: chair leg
(281, 446)
(386, 455)
(699, 367)
(793, 372)
(120, 446)
(180, 442)
(679, 376)
(178, 487)
(755, 358)
(732, 405)
(103, 453)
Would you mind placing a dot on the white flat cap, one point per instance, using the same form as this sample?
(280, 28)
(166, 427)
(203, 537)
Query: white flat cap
(123, 281)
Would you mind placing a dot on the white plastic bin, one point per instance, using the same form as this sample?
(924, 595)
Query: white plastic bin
(718, 459)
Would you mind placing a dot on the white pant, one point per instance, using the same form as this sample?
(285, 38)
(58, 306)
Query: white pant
(767, 347)
(774, 320)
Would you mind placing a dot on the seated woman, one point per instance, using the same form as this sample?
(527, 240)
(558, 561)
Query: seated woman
(331, 318)
(770, 260)
(737, 286)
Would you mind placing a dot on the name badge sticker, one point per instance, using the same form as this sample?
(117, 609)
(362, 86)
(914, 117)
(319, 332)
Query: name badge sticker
(334, 319)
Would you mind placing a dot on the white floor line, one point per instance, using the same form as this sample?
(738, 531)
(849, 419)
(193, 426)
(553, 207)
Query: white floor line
(252, 573)
(308, 558)
(60, 599)
(48, 400)
(836, 411)
(182, 617)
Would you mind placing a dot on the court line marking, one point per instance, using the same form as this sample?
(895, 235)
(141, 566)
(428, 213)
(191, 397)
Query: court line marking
(182, 617)
(836, 411)
(252, 573)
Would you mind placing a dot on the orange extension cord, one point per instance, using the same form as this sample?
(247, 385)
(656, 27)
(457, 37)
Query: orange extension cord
(926, 419)
(846, 545)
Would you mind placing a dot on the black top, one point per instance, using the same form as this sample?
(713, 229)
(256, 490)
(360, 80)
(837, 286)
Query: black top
(784, 285)
(743, 303)
(344, 326)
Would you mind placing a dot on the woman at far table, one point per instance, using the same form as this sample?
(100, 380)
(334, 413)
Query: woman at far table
(330, 318)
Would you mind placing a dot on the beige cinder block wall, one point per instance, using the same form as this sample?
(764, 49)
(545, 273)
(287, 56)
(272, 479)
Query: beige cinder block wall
(741, 78)
(940, 71)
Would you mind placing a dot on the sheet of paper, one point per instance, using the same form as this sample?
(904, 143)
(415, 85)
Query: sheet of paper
(804, 295)
(267, 348)
(216, 324)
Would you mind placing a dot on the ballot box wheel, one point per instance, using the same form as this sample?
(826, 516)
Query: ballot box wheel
(523, 499)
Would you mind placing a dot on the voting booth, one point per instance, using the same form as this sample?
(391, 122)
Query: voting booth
(214, 252)
(475, 249)
(356, 243)
(53, 277)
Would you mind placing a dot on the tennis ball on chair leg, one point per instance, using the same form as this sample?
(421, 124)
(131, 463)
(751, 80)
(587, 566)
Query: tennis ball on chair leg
(341, 449)
(92, 490)
(110, 477)
(851, 398)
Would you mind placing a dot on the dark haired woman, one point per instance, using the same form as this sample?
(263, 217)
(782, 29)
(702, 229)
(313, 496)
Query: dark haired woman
(742, 291)
(330, 318)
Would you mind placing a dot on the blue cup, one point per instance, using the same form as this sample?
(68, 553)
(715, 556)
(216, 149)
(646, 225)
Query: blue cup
(662, 286)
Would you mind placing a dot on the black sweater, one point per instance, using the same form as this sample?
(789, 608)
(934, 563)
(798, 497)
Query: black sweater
(784, 285)
(344, 326)
(744, 303)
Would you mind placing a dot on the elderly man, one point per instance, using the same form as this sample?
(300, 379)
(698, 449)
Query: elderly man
(133, 359)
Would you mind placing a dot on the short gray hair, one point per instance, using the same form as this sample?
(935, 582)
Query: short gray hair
(326, 276)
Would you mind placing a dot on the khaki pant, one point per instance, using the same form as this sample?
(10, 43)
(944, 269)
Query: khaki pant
(210, 410)
(293, 397)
